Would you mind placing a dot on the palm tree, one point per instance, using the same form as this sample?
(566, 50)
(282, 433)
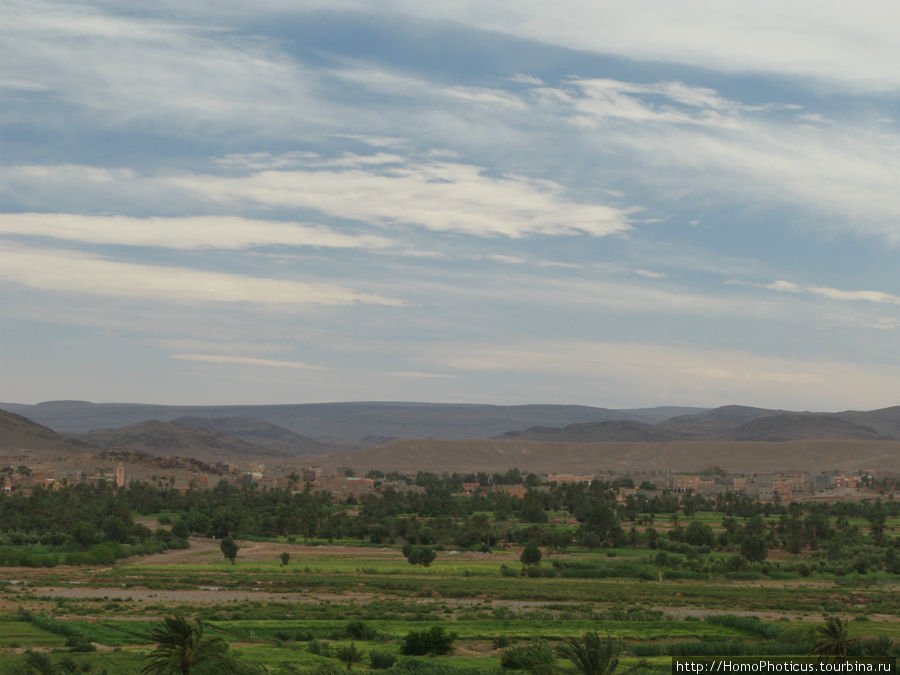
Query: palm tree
(292, 480)
(833, 639)
(350, 655)
(590, 655)
(181, 647)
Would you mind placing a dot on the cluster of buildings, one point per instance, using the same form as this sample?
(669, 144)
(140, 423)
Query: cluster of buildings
(784, 487)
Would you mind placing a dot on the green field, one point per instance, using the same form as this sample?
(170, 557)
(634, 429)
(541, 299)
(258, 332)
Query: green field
(431, 582)
(282, 608)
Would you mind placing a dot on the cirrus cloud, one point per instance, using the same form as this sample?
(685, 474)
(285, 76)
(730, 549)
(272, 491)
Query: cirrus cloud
(440, 196)
(71, 272)
(188, 232)
(246, 361)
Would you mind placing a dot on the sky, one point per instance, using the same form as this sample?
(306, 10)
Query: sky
(621, 204)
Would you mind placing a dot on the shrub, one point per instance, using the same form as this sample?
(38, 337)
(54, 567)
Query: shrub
(750, 624)
(381, 660)
(360, 630)
(507, 571)
(328, 669)
(79, 643)
(434, 640)
(646, 649)
(318, 648)
(527, 657)
(39, 662)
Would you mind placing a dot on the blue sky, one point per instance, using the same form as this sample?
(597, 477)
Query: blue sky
(615, 204)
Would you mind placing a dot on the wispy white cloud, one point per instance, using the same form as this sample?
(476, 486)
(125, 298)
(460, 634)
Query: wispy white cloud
(396, 83)
(520, 260)
(70, 272)
(414, 375)
(246, 361)
(374, 141)
(600, 100)
(256, 161)
(689, 140)
(521, 78)
(131, 68)
(189, 232)
(440, 196)
(650, 274)
(831, 44)
(834, 293)
(195, 346)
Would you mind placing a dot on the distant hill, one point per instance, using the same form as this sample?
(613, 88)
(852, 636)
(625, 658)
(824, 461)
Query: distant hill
(20, 433)
(302, 430)
(718, 423)
(598, 432)
(796, 426)
(259, 432)
(470, 456)
(730, 423)
(348, 422)
(162, 438)
(885, 421)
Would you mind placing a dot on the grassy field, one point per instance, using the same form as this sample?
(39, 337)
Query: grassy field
(295, 617)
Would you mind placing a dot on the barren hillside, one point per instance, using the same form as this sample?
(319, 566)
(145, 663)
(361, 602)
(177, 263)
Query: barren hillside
(499, 454)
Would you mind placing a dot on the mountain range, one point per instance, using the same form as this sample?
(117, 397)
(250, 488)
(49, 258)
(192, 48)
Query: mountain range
(729, 423)
(429, 436)
(342, 422)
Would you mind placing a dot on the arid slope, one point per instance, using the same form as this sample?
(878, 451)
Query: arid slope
(496, 454)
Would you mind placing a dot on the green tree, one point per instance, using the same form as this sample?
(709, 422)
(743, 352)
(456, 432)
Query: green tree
(533, 508)
(229, 549)
(180, 529)
(181, 647)
(419, 555)
(754, 548)
(83, 534)
(531, 554)
(699, 534)
(285, 558)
